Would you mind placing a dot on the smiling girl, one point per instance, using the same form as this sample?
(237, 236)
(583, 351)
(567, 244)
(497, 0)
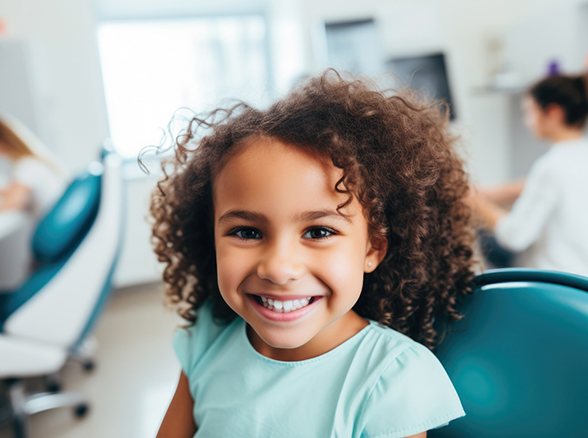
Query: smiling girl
(314, 247)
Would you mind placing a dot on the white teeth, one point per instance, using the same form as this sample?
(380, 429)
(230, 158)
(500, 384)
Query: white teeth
(284, 306)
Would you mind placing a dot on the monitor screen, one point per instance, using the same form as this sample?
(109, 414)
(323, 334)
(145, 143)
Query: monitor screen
(426, 74)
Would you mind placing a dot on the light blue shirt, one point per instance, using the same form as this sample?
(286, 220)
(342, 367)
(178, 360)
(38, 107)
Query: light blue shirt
(379, 383)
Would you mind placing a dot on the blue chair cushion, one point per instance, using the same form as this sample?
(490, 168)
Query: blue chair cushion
(68, 221)
(518, 359)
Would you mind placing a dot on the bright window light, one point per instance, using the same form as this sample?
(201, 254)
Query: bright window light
(153, 68)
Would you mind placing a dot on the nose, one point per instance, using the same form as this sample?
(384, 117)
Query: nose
(280, 264)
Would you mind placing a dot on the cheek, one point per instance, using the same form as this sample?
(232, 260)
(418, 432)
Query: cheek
(232, 267)
(343, 268)
(531, 119)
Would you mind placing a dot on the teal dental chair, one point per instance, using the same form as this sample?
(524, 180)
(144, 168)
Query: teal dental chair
(48, 319)
(519, 358)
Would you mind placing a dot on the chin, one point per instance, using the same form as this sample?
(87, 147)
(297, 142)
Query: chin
(283, 341)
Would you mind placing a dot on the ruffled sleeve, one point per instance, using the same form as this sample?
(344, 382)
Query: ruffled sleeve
(413, 395)
(191, 343)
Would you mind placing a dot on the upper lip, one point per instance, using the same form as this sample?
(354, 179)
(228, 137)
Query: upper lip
(280, 297)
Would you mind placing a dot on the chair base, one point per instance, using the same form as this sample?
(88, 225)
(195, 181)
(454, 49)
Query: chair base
(24, 405)
(84, 354)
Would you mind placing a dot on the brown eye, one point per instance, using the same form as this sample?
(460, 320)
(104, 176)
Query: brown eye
(245, 233)
(318, 233)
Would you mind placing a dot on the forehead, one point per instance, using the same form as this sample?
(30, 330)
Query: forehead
(267, 174)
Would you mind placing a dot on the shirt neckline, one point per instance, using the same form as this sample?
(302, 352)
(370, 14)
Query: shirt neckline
(582, 141)
(344, 346)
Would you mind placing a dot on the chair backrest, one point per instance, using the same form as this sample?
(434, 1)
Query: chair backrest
(56, 237)
(65, 308)
(519, 358)
(61, 230)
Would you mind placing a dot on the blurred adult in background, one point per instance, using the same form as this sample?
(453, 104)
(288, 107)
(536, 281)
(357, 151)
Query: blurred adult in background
(544, 219)
(30, 180)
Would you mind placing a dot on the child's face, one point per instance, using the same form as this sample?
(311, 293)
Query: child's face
(287, 262)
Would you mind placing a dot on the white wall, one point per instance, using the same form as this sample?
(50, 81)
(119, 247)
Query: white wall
(558, 32)
(132, 9)
(17, 87)
(137, 261)
(66, 71)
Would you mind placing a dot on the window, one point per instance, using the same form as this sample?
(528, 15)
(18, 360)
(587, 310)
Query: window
(153, 68)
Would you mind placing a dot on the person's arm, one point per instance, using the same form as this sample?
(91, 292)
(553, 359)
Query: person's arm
(179, 420)
(485, 211)
(16, 196)
(420, 435)
(503, 195)
(517, 229)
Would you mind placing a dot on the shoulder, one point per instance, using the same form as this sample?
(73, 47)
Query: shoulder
(191, 343)
(569, 156)
(395, 346)
(560, 158)
(546, 164)
(406, 359)
(412, 393)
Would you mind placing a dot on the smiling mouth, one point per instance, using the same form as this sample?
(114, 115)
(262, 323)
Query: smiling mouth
(284, 306)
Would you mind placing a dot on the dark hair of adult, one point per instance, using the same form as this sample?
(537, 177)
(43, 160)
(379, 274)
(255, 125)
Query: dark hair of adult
(570, 92)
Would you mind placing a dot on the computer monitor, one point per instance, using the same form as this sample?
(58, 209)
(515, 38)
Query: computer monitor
(426, 74)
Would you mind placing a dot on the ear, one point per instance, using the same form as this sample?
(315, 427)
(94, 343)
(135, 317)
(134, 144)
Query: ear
(375, 253)
(555, 112)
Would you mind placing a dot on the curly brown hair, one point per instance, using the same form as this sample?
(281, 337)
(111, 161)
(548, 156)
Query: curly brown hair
(397, 159)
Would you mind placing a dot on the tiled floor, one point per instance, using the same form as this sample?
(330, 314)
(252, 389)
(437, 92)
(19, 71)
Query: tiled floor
(135, 375)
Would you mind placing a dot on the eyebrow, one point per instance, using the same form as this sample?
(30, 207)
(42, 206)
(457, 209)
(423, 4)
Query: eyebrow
(311, 215)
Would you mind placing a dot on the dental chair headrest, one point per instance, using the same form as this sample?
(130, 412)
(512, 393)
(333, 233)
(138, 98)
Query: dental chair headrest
(67, 222)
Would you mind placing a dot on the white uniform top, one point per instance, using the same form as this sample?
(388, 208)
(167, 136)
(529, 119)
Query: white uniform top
(548, 224)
